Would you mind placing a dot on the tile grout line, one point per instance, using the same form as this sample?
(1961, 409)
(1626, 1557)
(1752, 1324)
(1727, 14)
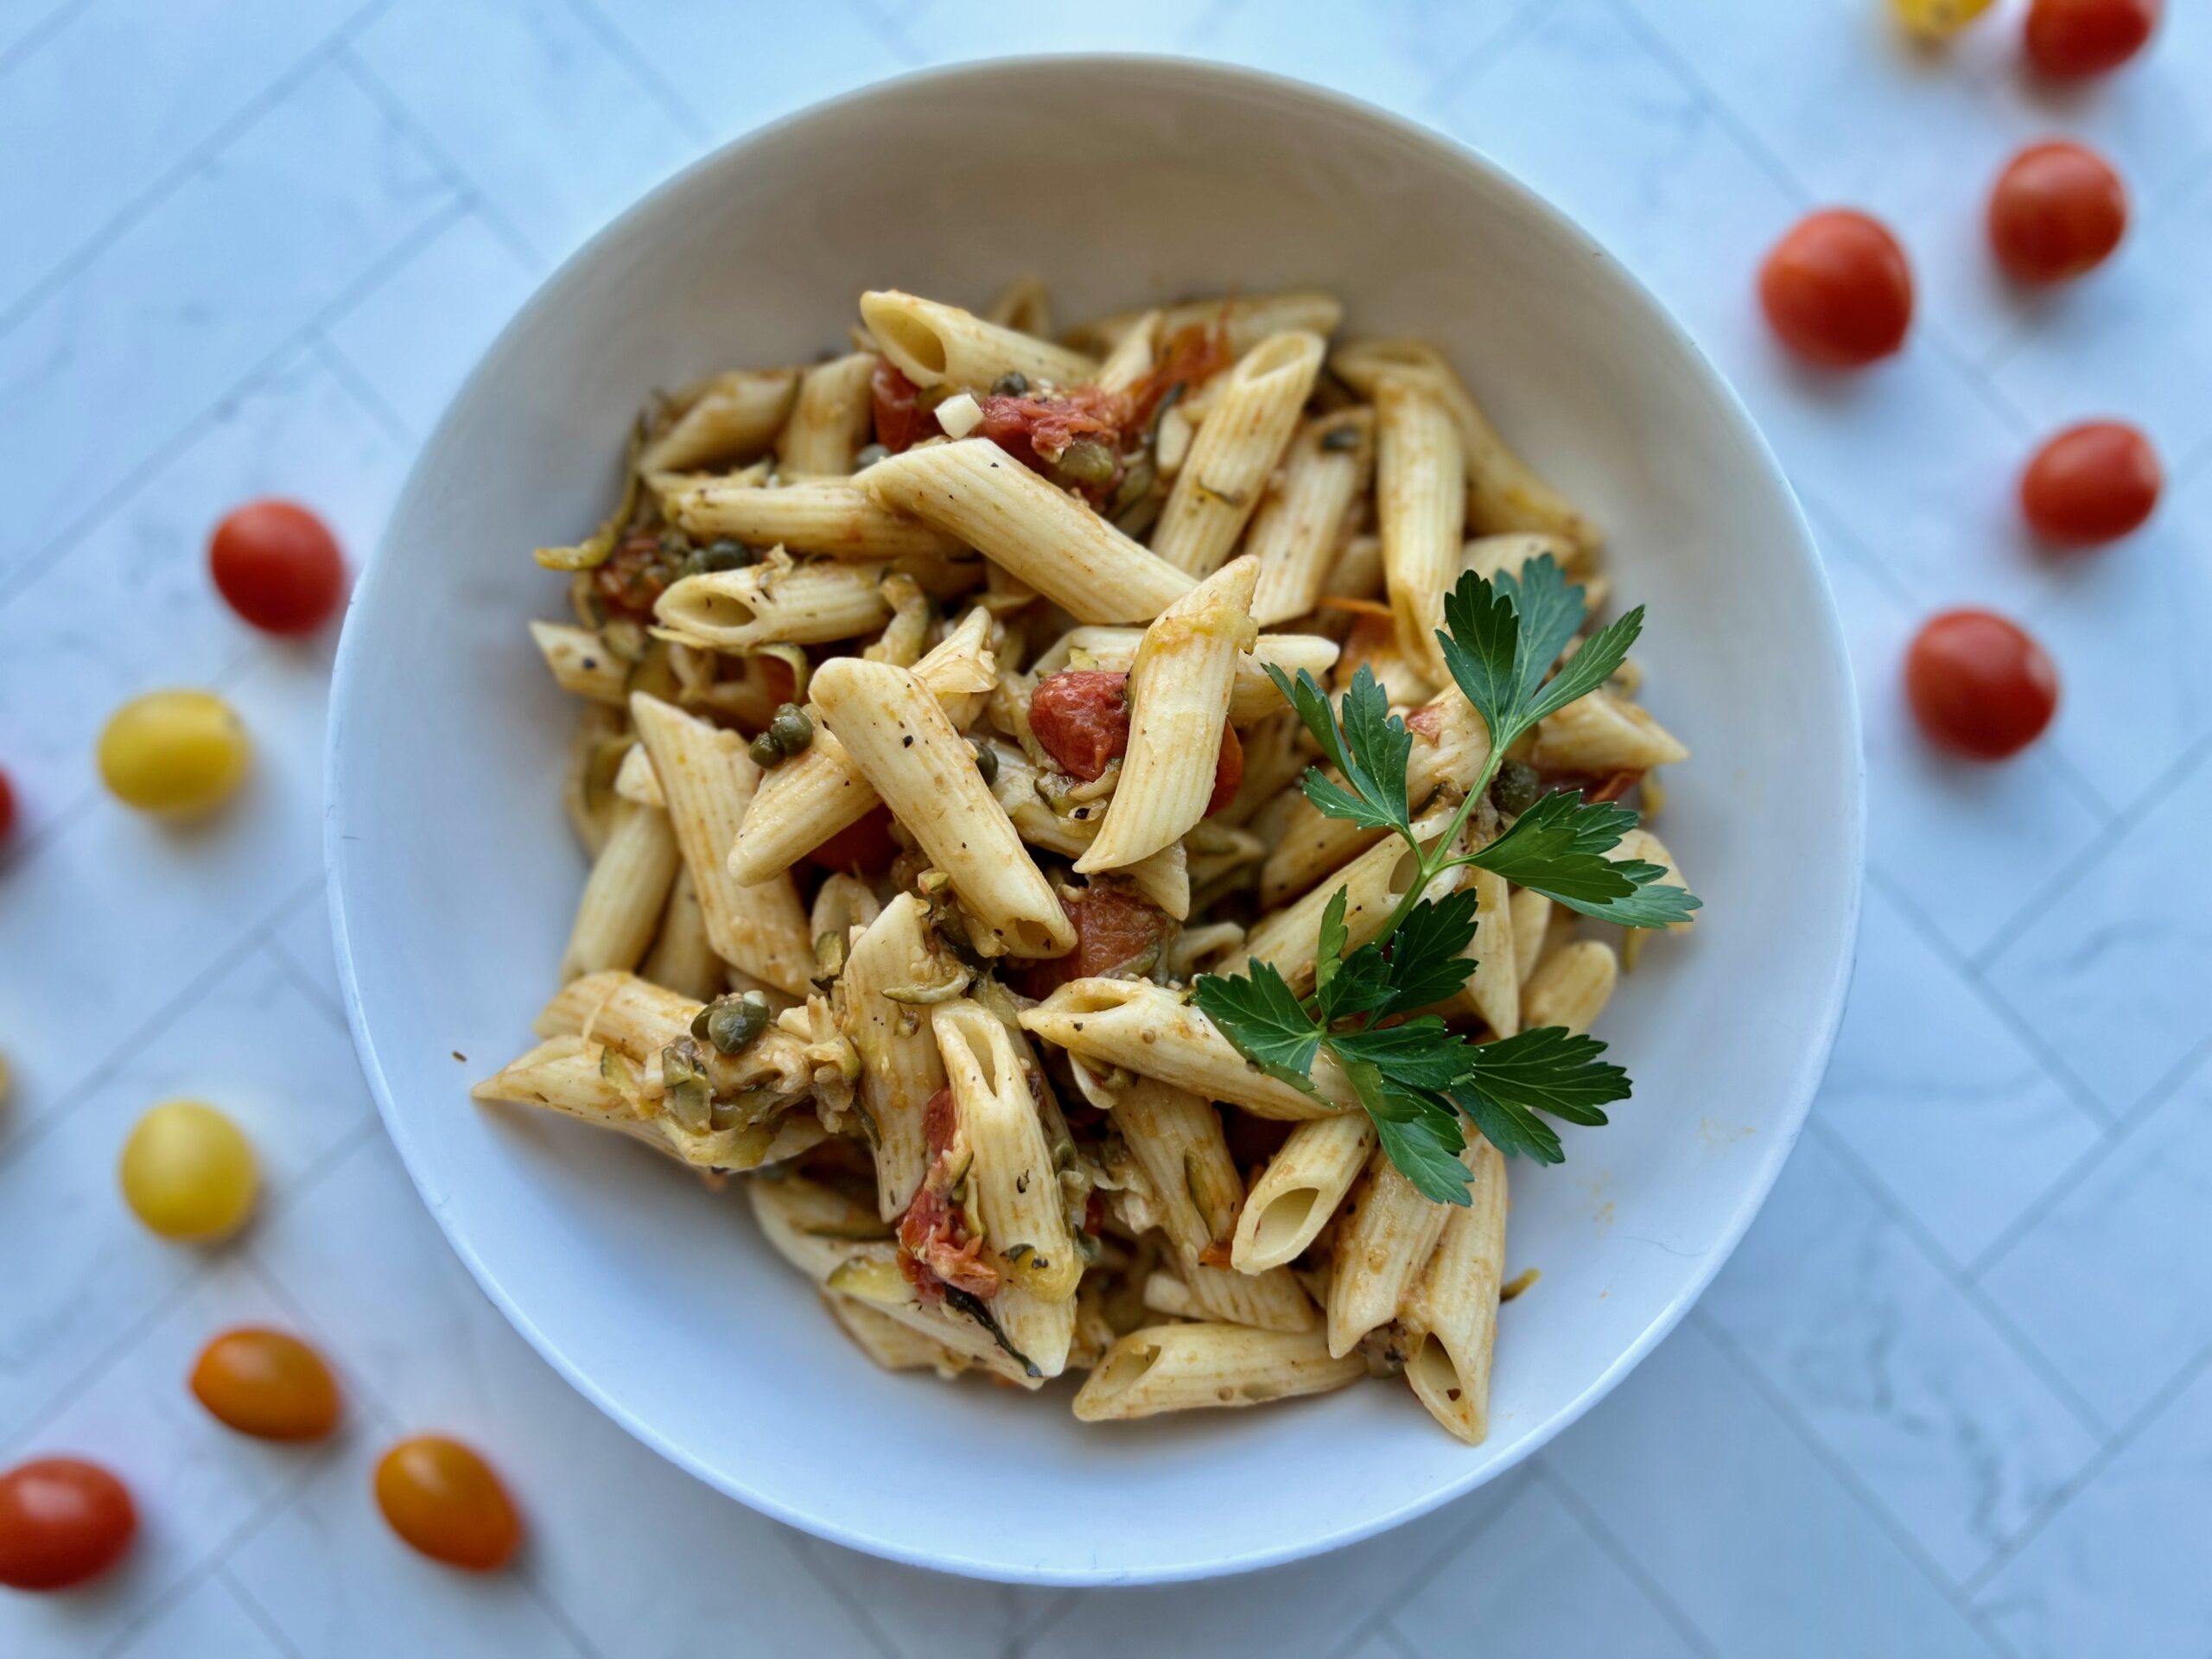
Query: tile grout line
(220, 1572)
(39, 33)
(195, 160)
(1396, 1640)
(625, 53)
(1425, 1572)
(2086, 1416)
(293, 346)
(801, 1547)
(1610, 1542)
(328, 352)
(1845, 1477)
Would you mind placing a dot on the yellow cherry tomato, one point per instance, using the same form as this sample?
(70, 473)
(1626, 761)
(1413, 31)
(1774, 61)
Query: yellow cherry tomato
(181, 752)
(1937, 19)
(189, 1172)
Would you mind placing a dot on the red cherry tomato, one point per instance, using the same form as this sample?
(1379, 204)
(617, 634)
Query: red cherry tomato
(278, 566)
(445, 1500)
(7, 807)
(2069, 38)
(900, 420)
(864, 845)
(62, 1520)
(2092, 483)
(2058, 210)
(267, 1384)
(1837, 290)
(1980, 686)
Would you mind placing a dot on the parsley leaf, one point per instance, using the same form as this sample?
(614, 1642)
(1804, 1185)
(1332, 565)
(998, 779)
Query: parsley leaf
(1558, 847)
(1329, 948)
(1427, 953)
(1419, 1054)
(1368, 750)
(1592, 666)
(1547, 1069)
(1508, 1127)
(1256, 1011)
(1419, 1134)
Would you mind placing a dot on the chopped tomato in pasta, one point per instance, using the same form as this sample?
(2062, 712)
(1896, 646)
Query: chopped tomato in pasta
(936, 1250)
(1115, 932)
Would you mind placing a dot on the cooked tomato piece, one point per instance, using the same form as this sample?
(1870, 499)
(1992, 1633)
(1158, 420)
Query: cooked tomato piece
(934, 1249)
(865, 845)
(1194, 352)
(1036, 432)
(1228, 771)
(1114, 929)
(900, 420)
(1082, 717)
(1428, 721)
(634, 576)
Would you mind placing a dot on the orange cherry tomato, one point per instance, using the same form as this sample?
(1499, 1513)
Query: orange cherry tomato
(1979, 685)
(62, 1520)
(2058, 210)
(267, 1384)
(445, 1500)
(2092, 483)
(1837, 290)
(2069, 38)
(277, 566)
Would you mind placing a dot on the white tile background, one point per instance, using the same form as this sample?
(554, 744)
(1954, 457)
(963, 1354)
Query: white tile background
(1952, 1396)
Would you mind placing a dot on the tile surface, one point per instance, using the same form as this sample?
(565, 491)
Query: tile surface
(1950, 1398)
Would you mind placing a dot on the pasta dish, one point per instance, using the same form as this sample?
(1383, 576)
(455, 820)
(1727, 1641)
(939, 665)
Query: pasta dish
(1116, 837)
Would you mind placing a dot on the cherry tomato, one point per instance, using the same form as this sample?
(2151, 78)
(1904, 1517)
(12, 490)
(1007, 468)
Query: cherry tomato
(267, 1384)
(175, 752)
(864, 845)
(62, 1520)
(900, 420)
(1837, 290)
(1936, 19)
(445, 1500)
(2058, 210)
(1979, 685)
(278, 566)
(7, 807)
(2092, 483)
(1114, 929)
(189, 1172)
(2069, 38)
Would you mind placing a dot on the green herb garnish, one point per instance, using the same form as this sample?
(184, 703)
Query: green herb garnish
(1414, 1077)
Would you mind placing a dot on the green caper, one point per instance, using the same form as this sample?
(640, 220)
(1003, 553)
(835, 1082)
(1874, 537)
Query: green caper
(987, 760)
(765, 755)
(1517, 788)
(1087, 462)
(869, 455)
(723, 554)
(789, 730)
(731, 1022)
(1013, 383)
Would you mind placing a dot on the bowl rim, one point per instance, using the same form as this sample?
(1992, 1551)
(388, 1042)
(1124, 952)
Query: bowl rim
(1800, 1089)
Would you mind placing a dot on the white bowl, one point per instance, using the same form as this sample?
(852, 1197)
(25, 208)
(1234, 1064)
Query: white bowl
(453, 873)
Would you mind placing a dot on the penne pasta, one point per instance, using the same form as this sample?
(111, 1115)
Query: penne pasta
(1189, 1367)
(899, 737)
(708, 782)
(580, 661)
(778, 601)
(1387, 1232)
(835, 518)
(1011, 1173)
(879, 1003)
(1178, 690)
(1245, 319)
(936, 344)
(1024, 306)
(1252, 695)
(830, 419)
(975, 492)
(625, 895)
(733, 417)
(635, 780)
(1644, 845)
(683, 958)
(1532, 917)
(1298, 1193)
(1253, 412)
(1131, 357)
(1301, 523)
(1450, 1315)
(893, 1346)
(1571, 987)
(1420, 500)
(1601, 733)
(1493, 990)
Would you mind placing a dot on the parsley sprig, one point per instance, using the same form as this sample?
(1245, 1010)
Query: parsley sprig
(1415, 1077)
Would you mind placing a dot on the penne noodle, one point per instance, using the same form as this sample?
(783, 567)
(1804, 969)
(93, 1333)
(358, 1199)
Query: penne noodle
(1357, 571)
(1493, 990)
(1386, 1235)
(898, 735)
(1252, 695)
(1252, 415)
(834, 517)
(1297, 529)
(1642, 844)
(1601, 733)
(1166, 1294)
(1246, 320)
(1502, 492)
(935, 344)
(831, 419)
(1188, 1367)
(1298, 1192)
(581, 663)
(778, 601)
(1177, 1140)
(1132, 355)
(1419, 497)
(1532, 916)
(1151, 1031)
(1024, 306)
(683, 958)
(1010, 1173)
(708, 781)
(1450, 1315)
(814, 794)
(625, 895)
(893, 1346)
(733, 417)
(634, 779)
(1374, 886)
(895, 959)
(1178, 689)
(977, 493)
(1571, 987)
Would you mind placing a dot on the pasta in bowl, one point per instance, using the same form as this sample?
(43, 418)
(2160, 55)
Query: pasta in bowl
(942, 950)
(456, 885)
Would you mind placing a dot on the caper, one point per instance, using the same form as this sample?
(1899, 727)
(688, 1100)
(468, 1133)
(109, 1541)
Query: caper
(987, 760)
(1517, 788)
(790, 730)
(1087, 462)
(723, 554)
(1013, 383)
(1340, 437)
(731, 1022)
(765, 755)
(869, 455)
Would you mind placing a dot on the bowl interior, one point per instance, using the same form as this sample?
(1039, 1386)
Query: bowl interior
(1119, 181)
